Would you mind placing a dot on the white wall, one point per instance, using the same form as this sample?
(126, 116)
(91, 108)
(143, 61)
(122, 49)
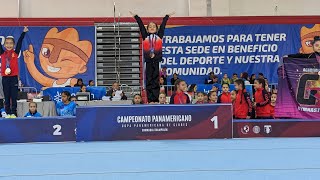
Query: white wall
(299, 7)
(9, 8)
(220, 7)
(101, 8)
(104, 8)
(273, 7)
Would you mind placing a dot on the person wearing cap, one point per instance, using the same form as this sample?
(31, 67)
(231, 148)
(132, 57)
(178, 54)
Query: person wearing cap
(313, 55)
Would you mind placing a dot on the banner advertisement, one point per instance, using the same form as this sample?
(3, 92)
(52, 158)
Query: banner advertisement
(154, 122)
(54, 56)
(299, 89)
(194, 51)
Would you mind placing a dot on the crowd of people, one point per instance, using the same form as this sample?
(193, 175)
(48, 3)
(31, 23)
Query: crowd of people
(260, 105)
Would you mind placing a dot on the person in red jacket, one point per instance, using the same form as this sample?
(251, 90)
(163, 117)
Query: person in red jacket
(242, 104)
(10, 72)
(225, 96)
(179, 97)
(233, 96)
(272, 104)
(261, 98)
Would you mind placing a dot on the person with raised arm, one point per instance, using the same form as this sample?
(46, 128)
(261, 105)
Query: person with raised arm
(10, 72)
(152, 52)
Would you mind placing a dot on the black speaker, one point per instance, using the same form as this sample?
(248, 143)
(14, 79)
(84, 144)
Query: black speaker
(45, 98)
(22, 95)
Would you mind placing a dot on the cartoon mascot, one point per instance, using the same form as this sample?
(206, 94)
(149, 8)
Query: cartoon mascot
(62, 56)
(307, 36)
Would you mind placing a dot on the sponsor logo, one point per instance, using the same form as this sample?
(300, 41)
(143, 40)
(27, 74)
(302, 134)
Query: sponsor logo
(245, 129)
(256, 129)
(267, 129)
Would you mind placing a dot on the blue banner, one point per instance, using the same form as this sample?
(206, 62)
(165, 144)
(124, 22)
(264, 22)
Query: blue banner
(54, 56)
(22, 130)
(154, 122)
(194, 51)
(55, 93)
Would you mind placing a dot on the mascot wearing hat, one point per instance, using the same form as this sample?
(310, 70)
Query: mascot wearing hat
(62, 56)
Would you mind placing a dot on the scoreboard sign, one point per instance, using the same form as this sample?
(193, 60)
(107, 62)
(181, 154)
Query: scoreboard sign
(154, 122)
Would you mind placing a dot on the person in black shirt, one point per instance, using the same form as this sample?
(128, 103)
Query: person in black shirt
(79, 83)
(91, 83)
(174, 79)
(212, 79)
(252, 78)
(260, 76)
(152, 53)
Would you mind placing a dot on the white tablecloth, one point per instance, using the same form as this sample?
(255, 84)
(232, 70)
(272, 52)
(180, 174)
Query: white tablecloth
(103, 103)
(46, 108)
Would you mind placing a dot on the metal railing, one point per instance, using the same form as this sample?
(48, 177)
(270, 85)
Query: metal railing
(130, 91)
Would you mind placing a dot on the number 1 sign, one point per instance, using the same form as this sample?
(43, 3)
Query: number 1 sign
(154, 122)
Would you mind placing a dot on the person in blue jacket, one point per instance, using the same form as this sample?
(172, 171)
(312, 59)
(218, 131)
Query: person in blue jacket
(66, 107)
(33, 110)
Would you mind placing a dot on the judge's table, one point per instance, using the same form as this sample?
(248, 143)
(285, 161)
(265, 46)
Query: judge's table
(48, 108)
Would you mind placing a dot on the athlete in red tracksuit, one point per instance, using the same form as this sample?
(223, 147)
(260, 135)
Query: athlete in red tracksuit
(10, 72)
(180, 97)
(152, 54)
(233, 99)
(242, 104)
(225, 97)
(262, 101)
(272, 104)
(271, 108)
(261, 97)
